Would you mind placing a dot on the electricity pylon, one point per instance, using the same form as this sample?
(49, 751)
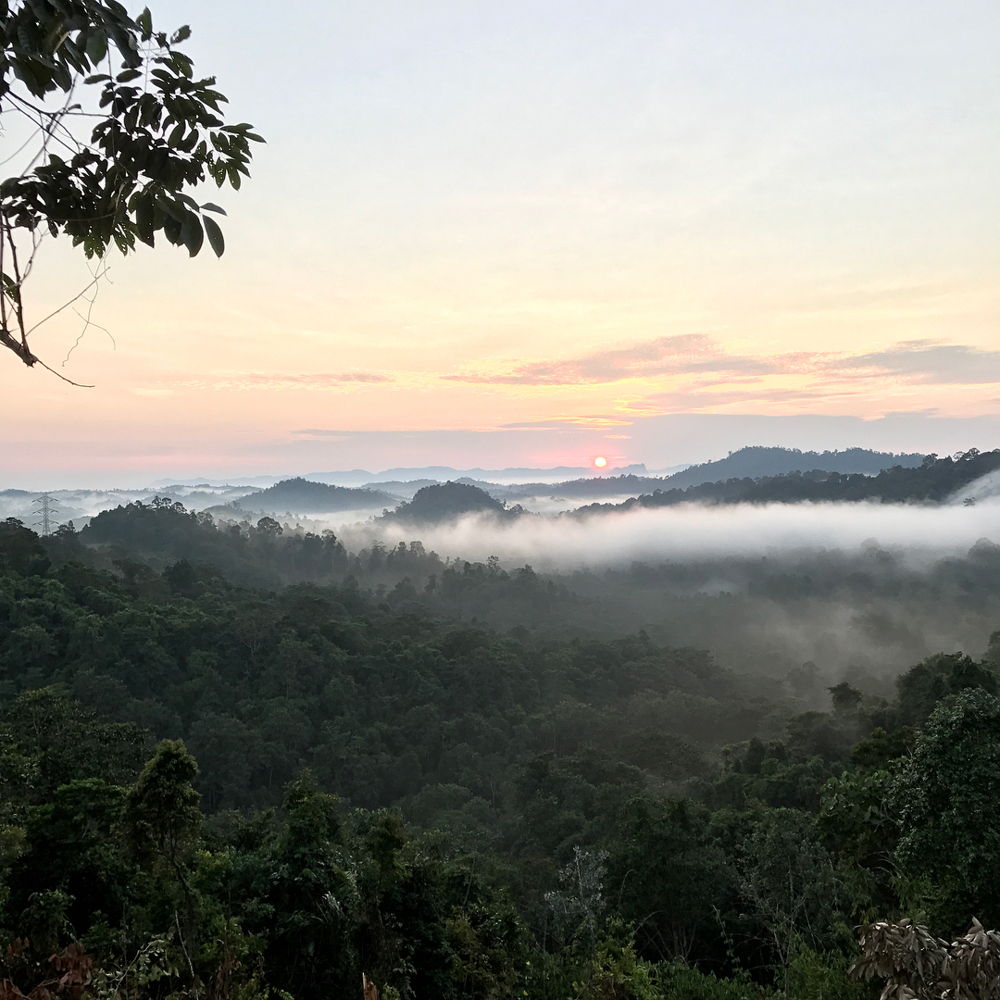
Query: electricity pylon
(47, 508)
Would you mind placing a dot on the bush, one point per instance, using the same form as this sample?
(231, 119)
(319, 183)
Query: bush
(681, 982)
(812, 976)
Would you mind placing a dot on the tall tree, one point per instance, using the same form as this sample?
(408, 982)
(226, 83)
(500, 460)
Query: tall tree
(162, 816)
(946, 794)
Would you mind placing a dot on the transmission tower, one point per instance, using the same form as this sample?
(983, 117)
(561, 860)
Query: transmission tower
(47, 507)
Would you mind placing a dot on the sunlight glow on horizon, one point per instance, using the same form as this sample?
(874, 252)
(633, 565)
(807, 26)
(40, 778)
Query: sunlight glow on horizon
(562, 230)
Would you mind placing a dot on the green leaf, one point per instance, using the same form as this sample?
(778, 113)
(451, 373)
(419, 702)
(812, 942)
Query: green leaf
(172, 231)
(144, 220)
(145, 22)
(210, 207)
(169, 206)
(97, 46)
(182, 34)
(192, 234)
(214, 234)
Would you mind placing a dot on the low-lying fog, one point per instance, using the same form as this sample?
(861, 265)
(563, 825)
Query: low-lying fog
(861, 591)
(695, 531)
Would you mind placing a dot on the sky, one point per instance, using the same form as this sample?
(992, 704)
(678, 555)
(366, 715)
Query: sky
(531, 233)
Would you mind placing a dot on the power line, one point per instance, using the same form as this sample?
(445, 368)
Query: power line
(46, 509)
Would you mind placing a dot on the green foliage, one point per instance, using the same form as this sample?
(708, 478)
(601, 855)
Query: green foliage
(117, 166)
(21, 551)
(668, 874)
(49, 740)
(816, 975)
(162, 816)
(788, 879)
(443, 501)
(934, 479)
(616, 973)
(515, 815)
(578, 903)
(924, 686)
(913, 963)
(681, 982)
(943, 793)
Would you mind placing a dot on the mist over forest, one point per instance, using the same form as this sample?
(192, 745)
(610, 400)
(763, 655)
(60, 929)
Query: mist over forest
(415, 693)
(424, 601)
(856, 587)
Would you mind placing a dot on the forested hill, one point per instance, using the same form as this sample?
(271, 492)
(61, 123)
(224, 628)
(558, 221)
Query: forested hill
(933, 481)
(306, 497)
(757, 461)
(446, 501)
(739, 606)
(518, 815)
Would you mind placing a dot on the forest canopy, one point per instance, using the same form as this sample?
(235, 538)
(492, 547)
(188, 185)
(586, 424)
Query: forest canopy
(300, 782)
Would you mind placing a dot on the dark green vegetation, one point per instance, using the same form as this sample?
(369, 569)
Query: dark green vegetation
(445, 501)
(759, 461)
(753, 462)
(934, 480)
(306, 497)
(215, 790)
(114, 165)
(866, 613)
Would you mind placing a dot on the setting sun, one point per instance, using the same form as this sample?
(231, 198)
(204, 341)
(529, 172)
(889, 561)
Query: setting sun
(600, 462)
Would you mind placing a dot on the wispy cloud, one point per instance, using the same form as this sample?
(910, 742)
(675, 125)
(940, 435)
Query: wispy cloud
(925, 361)
(693, 399)
(275, 381)
(552, 423)
(676, 355)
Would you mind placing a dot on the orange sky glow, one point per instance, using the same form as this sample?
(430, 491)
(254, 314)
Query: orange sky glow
(546, 244)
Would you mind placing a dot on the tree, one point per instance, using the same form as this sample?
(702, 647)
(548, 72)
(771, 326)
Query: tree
(21, 551)
(916, 965)
(122, 129)
(789, 881)
(578, 904)
(945, 794)
(162, 816)
(668, 875)
(845, 698)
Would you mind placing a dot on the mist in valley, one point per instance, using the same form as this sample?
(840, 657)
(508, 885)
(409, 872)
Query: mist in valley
(803, 593)
(699, 531)
(639, 635)
(857, 591)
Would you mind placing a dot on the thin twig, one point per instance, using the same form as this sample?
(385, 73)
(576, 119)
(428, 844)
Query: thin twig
(20, 149)
(48, 132)
(88, 322)
(3, 290)
(63, 112)
(18, 280)
(90, 284)
(79, 385)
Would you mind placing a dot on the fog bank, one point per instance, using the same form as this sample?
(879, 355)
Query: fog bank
(694, 531)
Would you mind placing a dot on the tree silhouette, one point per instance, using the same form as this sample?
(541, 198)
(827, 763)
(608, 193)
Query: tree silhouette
(121, 130)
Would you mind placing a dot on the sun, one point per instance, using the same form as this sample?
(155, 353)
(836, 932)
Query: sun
(600, 462)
